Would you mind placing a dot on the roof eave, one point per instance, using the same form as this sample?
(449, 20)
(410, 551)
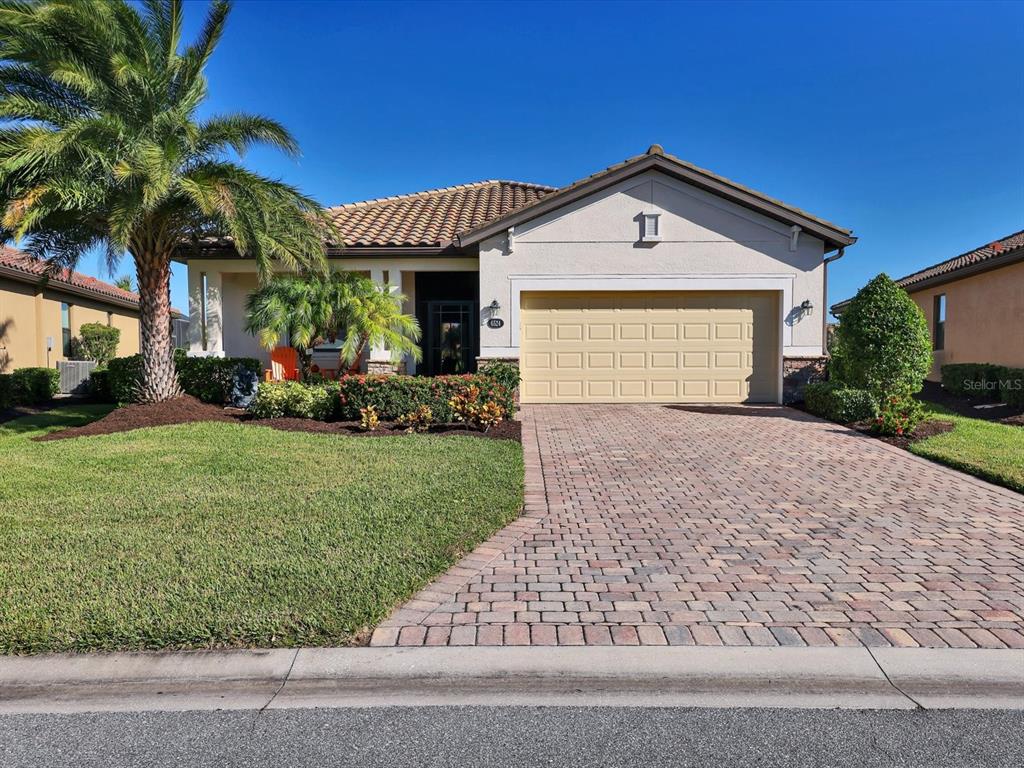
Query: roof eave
(54, 283)
(834, 238)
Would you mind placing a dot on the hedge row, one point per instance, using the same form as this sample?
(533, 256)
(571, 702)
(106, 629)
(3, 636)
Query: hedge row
(391, 396)
(28, 386)
(838, 403)
(997, 382)
(210, 379)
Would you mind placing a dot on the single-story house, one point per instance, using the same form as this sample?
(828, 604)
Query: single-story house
(974, 305)
(653, 280)
(40, 313)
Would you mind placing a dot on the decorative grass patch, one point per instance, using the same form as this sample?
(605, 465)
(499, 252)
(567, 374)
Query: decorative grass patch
(987, 449)
(213, 535)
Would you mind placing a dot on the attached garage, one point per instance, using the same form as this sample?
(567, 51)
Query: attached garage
(607, 347)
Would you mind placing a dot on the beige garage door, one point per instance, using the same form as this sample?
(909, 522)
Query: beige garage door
(641, 347)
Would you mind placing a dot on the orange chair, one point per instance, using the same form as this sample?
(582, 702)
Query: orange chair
(284, 365)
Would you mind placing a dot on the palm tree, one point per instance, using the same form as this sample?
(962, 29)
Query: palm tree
(313, 309)
(101, 146)
(124, 282)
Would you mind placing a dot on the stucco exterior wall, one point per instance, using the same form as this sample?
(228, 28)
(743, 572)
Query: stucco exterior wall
(984, 318)
(29, 314)
(713, 243)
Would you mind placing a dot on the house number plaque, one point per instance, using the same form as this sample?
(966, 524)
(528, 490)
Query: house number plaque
(495, 322)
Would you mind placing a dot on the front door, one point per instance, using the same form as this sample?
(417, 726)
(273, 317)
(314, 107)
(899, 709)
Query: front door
(450, 338)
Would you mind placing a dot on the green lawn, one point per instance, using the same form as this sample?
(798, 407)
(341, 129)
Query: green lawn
(208, 535)
(989, 450)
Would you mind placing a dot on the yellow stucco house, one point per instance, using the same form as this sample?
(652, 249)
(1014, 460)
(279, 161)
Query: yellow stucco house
(974, 304)
(39, 314)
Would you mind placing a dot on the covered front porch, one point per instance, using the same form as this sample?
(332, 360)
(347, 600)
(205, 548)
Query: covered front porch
(442, 292)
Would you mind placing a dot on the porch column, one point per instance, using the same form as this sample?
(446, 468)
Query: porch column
(380, 356)
(205, 326)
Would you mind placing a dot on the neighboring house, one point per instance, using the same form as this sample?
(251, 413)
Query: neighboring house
(974, 305)
(40, 314)
(653, 280)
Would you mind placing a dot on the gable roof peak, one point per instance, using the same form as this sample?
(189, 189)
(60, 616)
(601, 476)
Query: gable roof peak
(655, 149)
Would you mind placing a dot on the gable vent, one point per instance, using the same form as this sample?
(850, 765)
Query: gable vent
(650, 228)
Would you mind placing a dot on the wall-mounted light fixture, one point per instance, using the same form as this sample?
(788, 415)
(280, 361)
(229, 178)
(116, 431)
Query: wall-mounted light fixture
(806, 307)
(494, 306)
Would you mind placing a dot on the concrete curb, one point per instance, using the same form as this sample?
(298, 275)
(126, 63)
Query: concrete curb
(858, 678)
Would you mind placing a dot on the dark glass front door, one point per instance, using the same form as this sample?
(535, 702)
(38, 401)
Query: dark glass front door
(450, 337)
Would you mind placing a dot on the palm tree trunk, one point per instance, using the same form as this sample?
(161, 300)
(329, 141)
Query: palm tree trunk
(159, 379)
(354, 367)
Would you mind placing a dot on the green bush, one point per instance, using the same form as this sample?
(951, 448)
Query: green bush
(392, 397)
(295, 400)
(899, 415)
(31, 386)
(881, 342)
(6, 391)
(996, 382)
(209, 379)
(123, 375)
(841, 404)
(99, 385)
(505, 373)
(1012, 390)
(395, 396)
(96, 341)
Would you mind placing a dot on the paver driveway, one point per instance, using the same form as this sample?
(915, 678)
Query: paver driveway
(736, 526)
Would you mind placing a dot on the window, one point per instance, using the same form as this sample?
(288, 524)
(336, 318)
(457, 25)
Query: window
(65, 328)
(939, 322)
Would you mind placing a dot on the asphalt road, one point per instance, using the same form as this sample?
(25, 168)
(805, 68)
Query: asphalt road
(516, 736)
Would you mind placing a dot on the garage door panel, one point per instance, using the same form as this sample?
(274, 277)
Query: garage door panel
(690, 347)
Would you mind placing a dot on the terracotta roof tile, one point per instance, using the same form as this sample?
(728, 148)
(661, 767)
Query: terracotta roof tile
(978, 255)
(434, 217)
(21, 261)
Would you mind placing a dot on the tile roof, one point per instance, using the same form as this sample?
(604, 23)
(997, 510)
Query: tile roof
(978, 255)
(434, 217)
(950, 267)
(21, 261)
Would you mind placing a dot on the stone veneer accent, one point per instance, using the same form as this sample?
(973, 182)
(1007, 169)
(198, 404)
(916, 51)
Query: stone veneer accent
(797, 372)
(378, 368)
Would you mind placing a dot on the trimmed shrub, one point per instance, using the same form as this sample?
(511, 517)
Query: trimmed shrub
(96, 341)
(210, 379)
(841, 404)
(6, 391)
(31, 386)
(899, 415)
(982, 380)
(213, 379)
(881, 342)
(293, 399)
(395, 396)
(1012, 390)
(99, 385)
(505, 373)
(123, 375)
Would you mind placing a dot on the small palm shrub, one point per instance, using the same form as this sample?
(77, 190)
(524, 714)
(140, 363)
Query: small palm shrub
(881, 342)
(841, 404)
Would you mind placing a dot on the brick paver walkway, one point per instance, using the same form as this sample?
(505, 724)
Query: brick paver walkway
(683, 525)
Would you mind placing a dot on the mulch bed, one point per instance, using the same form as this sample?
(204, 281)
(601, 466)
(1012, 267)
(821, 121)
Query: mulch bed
(183, 410)
(924, 430)
(180, 410)
(973, 407)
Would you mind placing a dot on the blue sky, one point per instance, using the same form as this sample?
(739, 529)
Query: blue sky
(902, 121)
